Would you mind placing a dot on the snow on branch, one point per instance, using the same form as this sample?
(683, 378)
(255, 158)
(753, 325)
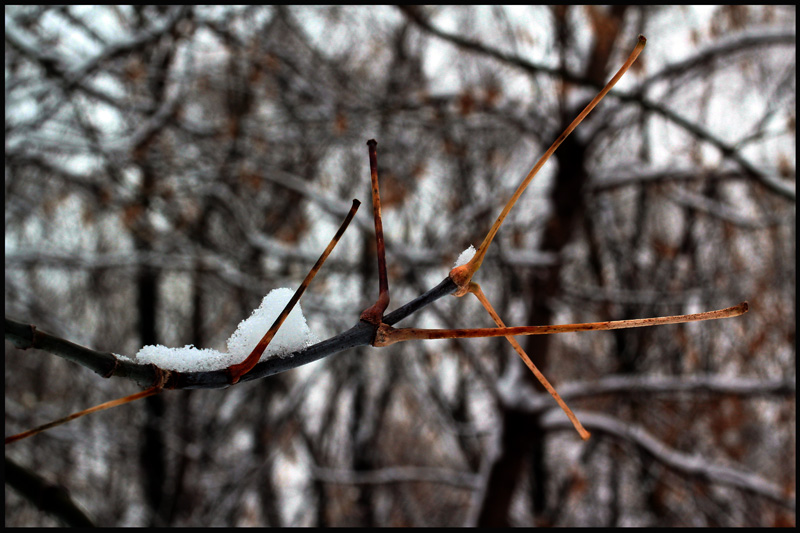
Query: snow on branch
(106, 364)
(293, 336)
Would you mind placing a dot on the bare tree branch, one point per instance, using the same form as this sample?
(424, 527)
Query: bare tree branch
(652, 385)
(777, 186)
(691, 465)
(50, 498)
(108, 365)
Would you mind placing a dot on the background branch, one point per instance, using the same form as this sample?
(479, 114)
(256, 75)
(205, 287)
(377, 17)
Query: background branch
(50, 498)
(687, 464)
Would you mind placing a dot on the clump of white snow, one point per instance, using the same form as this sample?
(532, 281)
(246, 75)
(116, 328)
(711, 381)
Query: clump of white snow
(465, 256)
(186, 359)
(293, 335)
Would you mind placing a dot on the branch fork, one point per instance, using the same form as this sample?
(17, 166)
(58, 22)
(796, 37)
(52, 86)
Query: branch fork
(462, 275)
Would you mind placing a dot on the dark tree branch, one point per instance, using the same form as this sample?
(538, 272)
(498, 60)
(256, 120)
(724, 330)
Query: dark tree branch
(107, 364)
(779, 187)
(720, 50)
(50, 498)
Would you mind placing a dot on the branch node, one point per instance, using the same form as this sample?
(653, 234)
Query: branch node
(461, 276)
(384, 336)
(34, 335)
(109, 373)
(162, 378)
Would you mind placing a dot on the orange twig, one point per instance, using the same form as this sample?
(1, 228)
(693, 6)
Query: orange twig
(388, 335)
(107, 405)
(374, 314)
(462, 275)
(475, 289)
(235, 372)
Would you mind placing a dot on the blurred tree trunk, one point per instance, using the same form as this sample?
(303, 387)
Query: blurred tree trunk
(524, 440)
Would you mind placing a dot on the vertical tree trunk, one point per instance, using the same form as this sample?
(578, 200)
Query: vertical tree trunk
(151, 454)
(523, 437)
(523, 440)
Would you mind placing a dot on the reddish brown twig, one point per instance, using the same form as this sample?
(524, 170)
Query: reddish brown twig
(163, 378)
(462, 275)
(235, 372)
(388, 335)
(475, 289)
(374, 314)
(107, 405)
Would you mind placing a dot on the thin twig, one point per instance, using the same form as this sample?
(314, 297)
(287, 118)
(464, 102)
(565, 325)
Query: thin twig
(388, 335)
(462, 275)
(235, 372)
(107, 405)
(475, 289)
(374, 314)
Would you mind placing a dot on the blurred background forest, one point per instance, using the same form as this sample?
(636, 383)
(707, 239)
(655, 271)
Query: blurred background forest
(165, 167)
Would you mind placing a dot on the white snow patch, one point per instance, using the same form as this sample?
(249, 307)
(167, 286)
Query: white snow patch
(186, 359)
(465, 257)
(123, 358)
(293, 335)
